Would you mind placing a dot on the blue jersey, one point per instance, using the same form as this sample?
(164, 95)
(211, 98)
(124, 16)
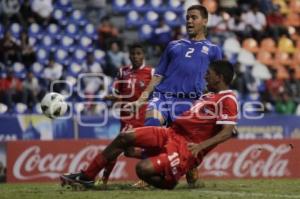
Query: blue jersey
(184, 64)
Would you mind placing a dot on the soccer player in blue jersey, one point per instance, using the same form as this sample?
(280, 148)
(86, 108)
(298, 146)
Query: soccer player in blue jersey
(179, 77)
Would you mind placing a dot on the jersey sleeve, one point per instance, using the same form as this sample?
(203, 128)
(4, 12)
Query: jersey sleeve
(216, 53)
(228, 111)
(163, 62)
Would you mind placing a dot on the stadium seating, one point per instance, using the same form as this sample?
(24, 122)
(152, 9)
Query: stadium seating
(20, 108)
(121, 6)
(1, 31)
(61, 56)
(60, 16)
(145, 32)
(3, 108)
(151, 18)
(71, 36)
(42, 55)
(133, 19)
(65, 5)
(15, 30)
(173, 19)
(158, 6)
(37, 69)
(139, 6)
(19, 70)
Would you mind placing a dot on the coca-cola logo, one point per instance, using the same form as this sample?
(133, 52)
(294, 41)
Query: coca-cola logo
(32, 163)
(257, 160)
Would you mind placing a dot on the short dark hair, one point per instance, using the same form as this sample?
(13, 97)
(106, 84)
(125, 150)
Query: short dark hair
(203, 11)
(223, 68)
(135, 45)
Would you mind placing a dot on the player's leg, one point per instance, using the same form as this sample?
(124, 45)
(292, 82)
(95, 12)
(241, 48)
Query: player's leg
(107, 171)
(156, 112)
(125, 127)
(179, 106)
(109, 155)
(133, 152)
(146, 137)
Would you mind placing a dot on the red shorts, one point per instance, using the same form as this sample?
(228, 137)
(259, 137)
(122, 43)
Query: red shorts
(135, 121)
(174, 159)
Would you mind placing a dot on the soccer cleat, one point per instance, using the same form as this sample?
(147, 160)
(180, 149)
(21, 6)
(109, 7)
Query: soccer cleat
(75, 180)
(192, 177)
(140, 184)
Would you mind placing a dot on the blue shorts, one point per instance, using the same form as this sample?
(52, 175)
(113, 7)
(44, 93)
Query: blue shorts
(169, 106)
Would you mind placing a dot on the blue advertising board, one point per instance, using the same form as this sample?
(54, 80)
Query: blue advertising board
(38, 127)
(34, 127)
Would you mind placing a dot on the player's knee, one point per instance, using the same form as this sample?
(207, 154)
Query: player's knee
(151, 121)
(144, 169)
(125, 139)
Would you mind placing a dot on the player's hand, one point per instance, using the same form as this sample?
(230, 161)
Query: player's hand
(111, 98)
(196, 149)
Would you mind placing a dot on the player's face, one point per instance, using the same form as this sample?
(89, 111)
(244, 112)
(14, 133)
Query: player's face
(136, 57)
(212, 79)
(195, 24)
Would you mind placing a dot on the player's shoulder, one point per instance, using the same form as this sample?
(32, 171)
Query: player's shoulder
(146, 69)
(179, 41)
(209, 43)
(226, 95)
(124, 70)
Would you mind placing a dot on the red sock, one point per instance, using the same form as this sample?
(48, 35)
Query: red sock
(95, 166)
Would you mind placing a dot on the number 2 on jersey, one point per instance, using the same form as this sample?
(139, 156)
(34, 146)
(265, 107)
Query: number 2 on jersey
(189, 52)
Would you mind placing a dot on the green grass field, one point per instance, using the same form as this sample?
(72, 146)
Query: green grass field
(211, 189)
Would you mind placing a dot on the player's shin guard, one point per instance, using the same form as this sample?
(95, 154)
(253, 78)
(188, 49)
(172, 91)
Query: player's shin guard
(151, 121)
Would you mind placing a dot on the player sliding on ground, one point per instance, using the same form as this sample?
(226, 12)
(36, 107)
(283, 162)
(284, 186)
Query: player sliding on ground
(210, 121)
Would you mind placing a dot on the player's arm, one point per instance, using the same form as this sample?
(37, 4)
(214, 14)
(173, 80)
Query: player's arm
(225, 134)
(156, 79)
(145, 94)
(116, 88)
(112, 98)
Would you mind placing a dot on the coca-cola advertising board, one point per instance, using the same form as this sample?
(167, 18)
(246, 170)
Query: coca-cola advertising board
(43, 161)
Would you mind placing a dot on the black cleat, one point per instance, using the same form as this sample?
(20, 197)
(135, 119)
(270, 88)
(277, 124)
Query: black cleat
(76, 179)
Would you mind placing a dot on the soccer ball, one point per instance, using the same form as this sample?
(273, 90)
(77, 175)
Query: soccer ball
(54, 105)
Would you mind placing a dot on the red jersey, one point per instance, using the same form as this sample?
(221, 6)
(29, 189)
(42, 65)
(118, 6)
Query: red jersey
(201, 121)
(129, 86)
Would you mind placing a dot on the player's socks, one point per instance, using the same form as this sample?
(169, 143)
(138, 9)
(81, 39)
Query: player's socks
(107, 171)
(151, 121)
(98, 163)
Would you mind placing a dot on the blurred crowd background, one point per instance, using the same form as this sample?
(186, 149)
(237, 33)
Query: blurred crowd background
(42, 41)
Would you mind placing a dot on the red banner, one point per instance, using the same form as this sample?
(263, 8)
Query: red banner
(253, 159)
(41, 161)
